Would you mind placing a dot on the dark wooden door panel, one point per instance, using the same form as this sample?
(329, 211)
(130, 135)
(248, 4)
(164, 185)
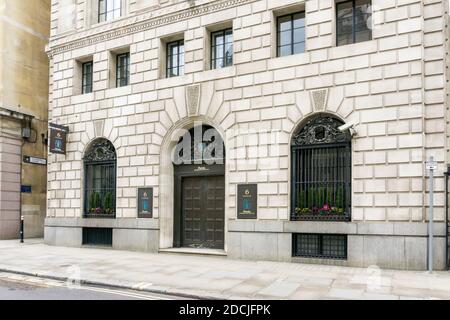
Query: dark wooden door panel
(192, 205)
(203, 212)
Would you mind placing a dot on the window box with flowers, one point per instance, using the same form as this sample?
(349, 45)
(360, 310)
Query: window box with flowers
(321, 169)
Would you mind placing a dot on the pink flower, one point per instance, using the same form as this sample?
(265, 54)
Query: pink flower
(326, 207)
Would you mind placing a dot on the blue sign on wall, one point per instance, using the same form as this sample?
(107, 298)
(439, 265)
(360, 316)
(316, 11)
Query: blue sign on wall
(145, 203)
(25, 189)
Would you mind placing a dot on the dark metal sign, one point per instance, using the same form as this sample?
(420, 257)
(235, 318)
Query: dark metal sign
(58, 138)
(25, 189)
(145, 203)
(247, 201)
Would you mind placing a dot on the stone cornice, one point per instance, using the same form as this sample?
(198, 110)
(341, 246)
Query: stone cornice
(132, 26)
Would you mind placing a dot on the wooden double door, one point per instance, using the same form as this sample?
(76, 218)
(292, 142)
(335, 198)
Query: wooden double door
(202, 206)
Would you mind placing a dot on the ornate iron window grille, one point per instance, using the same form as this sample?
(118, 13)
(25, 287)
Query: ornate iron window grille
(100, 163)
(321, 172)
(97, 237)
(320, 246)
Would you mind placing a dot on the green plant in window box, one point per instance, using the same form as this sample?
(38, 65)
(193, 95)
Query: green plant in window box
(95, 203)
(302, 211)
(330, 197)
(321, 199)
(311, 197)
(301, 208)
(91, 203)
(301, 199)
(340, 197)
(337, 211)
(108, 203)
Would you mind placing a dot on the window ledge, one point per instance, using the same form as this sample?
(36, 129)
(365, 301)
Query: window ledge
(214, 74)
(292, 60)
(115, 92)
(168, 82)
(107, 22)
(83, 98)
(353, 49)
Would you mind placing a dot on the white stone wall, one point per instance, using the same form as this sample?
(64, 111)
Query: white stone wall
(392, 88)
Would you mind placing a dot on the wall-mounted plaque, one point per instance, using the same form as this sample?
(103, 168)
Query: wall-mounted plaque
(247, 198)
(58, 138)
(145, 203)
(35, 160)
(25, 189)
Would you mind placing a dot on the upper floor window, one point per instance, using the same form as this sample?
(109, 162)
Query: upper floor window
(222, 49)
(291, 34)
(353, 21)
(86, 81)
(122, 69)
(109, 10)
(175, 58)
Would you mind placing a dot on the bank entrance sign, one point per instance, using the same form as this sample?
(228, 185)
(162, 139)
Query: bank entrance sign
(247, 201)
(145, 202)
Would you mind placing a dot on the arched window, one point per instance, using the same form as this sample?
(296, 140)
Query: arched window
(321, 171)
(200, 145)
(100, 180)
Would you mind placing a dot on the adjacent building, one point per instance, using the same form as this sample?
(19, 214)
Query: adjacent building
(24, 33)
(281, 130)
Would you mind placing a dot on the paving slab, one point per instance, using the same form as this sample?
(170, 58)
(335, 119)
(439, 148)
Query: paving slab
(280, 289)
(211, 277)
(345, 293)
(307, 293)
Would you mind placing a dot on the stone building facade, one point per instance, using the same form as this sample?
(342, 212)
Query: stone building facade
(24, 71)
(377, 96)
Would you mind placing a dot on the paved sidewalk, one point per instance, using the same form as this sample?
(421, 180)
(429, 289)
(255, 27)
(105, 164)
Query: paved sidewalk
(218, 277)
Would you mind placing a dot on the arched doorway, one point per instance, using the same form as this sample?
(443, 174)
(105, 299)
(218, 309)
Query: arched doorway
(199, 190)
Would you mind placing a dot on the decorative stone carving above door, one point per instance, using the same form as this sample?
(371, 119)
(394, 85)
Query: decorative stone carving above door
(98, 127)
(320, 99)
(193, 99)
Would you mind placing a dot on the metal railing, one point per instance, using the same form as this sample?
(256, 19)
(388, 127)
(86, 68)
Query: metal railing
(320, 246)
(100, 190)
(321, 183)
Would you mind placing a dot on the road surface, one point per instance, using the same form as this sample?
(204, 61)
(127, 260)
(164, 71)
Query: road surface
(19, 287)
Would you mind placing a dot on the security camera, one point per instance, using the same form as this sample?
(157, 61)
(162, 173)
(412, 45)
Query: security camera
(348, 127)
